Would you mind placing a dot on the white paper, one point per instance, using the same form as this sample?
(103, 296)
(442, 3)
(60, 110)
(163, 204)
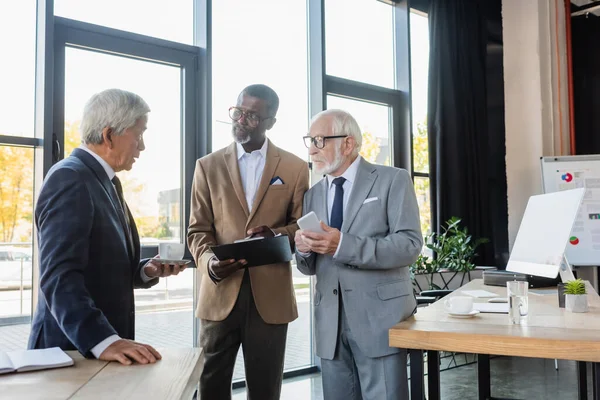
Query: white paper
(501, 308)
(29, 360)
(479, 293)
(5, 363)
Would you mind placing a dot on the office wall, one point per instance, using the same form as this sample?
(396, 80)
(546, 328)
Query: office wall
(536, 107)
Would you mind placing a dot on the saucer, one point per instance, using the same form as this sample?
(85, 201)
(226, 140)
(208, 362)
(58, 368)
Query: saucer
(463, 315)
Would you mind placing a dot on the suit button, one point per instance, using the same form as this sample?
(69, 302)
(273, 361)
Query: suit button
(335, 292)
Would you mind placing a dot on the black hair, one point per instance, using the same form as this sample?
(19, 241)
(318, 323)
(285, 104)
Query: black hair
(266, 94)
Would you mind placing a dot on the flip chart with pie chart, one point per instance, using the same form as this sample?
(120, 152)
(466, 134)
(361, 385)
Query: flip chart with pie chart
(571, 172)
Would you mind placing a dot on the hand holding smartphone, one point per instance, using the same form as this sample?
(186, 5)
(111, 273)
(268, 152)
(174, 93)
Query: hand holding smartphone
(310, 223)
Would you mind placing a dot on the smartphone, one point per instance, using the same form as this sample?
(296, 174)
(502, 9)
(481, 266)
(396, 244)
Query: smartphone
(310, 223)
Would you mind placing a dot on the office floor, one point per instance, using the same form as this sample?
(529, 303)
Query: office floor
(516, 378)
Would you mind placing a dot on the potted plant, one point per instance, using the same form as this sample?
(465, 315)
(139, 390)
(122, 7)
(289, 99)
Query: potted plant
(576, 296)
(454, 250)
(427, 267)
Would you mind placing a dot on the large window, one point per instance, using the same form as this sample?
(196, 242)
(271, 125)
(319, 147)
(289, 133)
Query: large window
(419, 54)
(374, 121)
(172, 20)
(121, 43)
(17, 158)
(360, 41)
(262, 42)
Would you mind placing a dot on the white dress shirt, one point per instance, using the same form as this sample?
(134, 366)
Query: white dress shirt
(100, 347)
(350, 176)
(251, 166)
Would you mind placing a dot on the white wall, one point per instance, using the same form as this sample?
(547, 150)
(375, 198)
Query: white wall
(536, 112)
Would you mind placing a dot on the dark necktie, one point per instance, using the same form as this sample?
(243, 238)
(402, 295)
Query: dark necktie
(117, 182)
(337, 211)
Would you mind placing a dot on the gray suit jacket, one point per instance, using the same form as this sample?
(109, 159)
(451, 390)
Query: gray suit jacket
(380, 239)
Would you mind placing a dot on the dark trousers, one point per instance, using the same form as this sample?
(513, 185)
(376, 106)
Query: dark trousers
(263, 346)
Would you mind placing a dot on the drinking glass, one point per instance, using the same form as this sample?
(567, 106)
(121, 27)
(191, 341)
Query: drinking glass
(518, 306)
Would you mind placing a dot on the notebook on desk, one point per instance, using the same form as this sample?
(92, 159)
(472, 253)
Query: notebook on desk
(31, 360)
(500, 308)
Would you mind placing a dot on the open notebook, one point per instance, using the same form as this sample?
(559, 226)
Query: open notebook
(31, 360)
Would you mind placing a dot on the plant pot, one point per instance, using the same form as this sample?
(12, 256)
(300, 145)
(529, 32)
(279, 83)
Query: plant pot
(576, 303)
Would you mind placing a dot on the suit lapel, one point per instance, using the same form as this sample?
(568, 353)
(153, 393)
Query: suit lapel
(365, 178)
(100, 173)
(135, 237)
(271, 164)
(320, 200)
(233, 169)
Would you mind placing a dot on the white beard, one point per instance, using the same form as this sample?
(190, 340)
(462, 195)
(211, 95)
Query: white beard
(333, 166)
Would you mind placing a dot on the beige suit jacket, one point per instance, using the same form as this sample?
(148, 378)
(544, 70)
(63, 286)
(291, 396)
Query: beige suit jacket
(219, 215)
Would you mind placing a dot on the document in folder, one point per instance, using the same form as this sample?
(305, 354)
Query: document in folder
(257, 252)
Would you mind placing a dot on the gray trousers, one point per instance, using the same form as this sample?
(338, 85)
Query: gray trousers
(263, 346)
(351, 375)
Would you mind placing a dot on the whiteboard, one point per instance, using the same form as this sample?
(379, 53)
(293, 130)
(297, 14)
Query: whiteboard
(544, 233)
(570, 172)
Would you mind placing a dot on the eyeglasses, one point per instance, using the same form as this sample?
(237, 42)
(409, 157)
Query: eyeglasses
(319, 141)
(253, 119)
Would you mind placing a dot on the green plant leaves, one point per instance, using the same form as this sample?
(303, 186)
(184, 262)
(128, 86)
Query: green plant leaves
(454, 250)
(575, 287)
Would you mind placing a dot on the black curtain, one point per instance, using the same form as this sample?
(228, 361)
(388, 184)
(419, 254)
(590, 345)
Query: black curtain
(468, 174)
(585, 35)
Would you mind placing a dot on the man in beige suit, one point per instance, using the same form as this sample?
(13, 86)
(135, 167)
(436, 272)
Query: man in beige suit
(249, 188)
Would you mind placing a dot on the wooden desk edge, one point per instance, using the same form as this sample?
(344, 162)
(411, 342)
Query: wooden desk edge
(194, 380)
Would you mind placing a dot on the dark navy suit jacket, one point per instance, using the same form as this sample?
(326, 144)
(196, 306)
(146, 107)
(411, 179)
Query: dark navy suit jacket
(87, 269)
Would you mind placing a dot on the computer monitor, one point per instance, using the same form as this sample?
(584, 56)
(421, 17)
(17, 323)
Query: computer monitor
(539, 248)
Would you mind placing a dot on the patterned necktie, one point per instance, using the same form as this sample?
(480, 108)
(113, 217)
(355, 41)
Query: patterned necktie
(117, 182)
(337, 211)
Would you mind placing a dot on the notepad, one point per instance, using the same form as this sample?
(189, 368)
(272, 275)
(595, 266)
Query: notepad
(31, 360)
(266, 251)
(501, 308)
(479, 293)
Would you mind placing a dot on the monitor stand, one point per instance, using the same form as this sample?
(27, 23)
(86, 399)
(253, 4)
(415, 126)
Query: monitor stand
(566, 272)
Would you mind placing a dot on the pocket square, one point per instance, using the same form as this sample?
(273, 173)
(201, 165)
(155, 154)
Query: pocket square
(276, 181)
(370, 200)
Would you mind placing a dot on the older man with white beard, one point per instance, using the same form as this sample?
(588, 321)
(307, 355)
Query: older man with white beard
(361, 261)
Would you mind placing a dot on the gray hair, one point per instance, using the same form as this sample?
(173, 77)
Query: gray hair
(112, 108)
(343, 124)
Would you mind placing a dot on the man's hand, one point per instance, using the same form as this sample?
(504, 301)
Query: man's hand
(125, 351)
(301, 246)
(322, 243)
(260, 231)
(154, 269)
(222, 269)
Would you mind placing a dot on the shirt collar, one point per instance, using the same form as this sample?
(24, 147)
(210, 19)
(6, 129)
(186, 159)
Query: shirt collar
(349, 173)
(241, 151)
(107, 168)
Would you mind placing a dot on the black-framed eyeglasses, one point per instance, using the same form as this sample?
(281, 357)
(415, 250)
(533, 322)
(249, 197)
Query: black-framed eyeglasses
(253, 119)
(319, 141)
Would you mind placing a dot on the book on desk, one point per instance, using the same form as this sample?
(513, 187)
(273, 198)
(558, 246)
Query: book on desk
(32, 360)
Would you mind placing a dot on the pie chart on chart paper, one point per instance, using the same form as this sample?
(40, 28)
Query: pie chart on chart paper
(574, 240)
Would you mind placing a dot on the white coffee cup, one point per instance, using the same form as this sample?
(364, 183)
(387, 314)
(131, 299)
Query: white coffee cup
(459, 304)
(171, 251)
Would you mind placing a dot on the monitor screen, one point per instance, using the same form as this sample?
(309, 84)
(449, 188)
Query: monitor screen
(544, 232)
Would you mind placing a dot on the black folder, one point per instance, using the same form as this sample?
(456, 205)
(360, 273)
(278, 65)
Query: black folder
(257, 252)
